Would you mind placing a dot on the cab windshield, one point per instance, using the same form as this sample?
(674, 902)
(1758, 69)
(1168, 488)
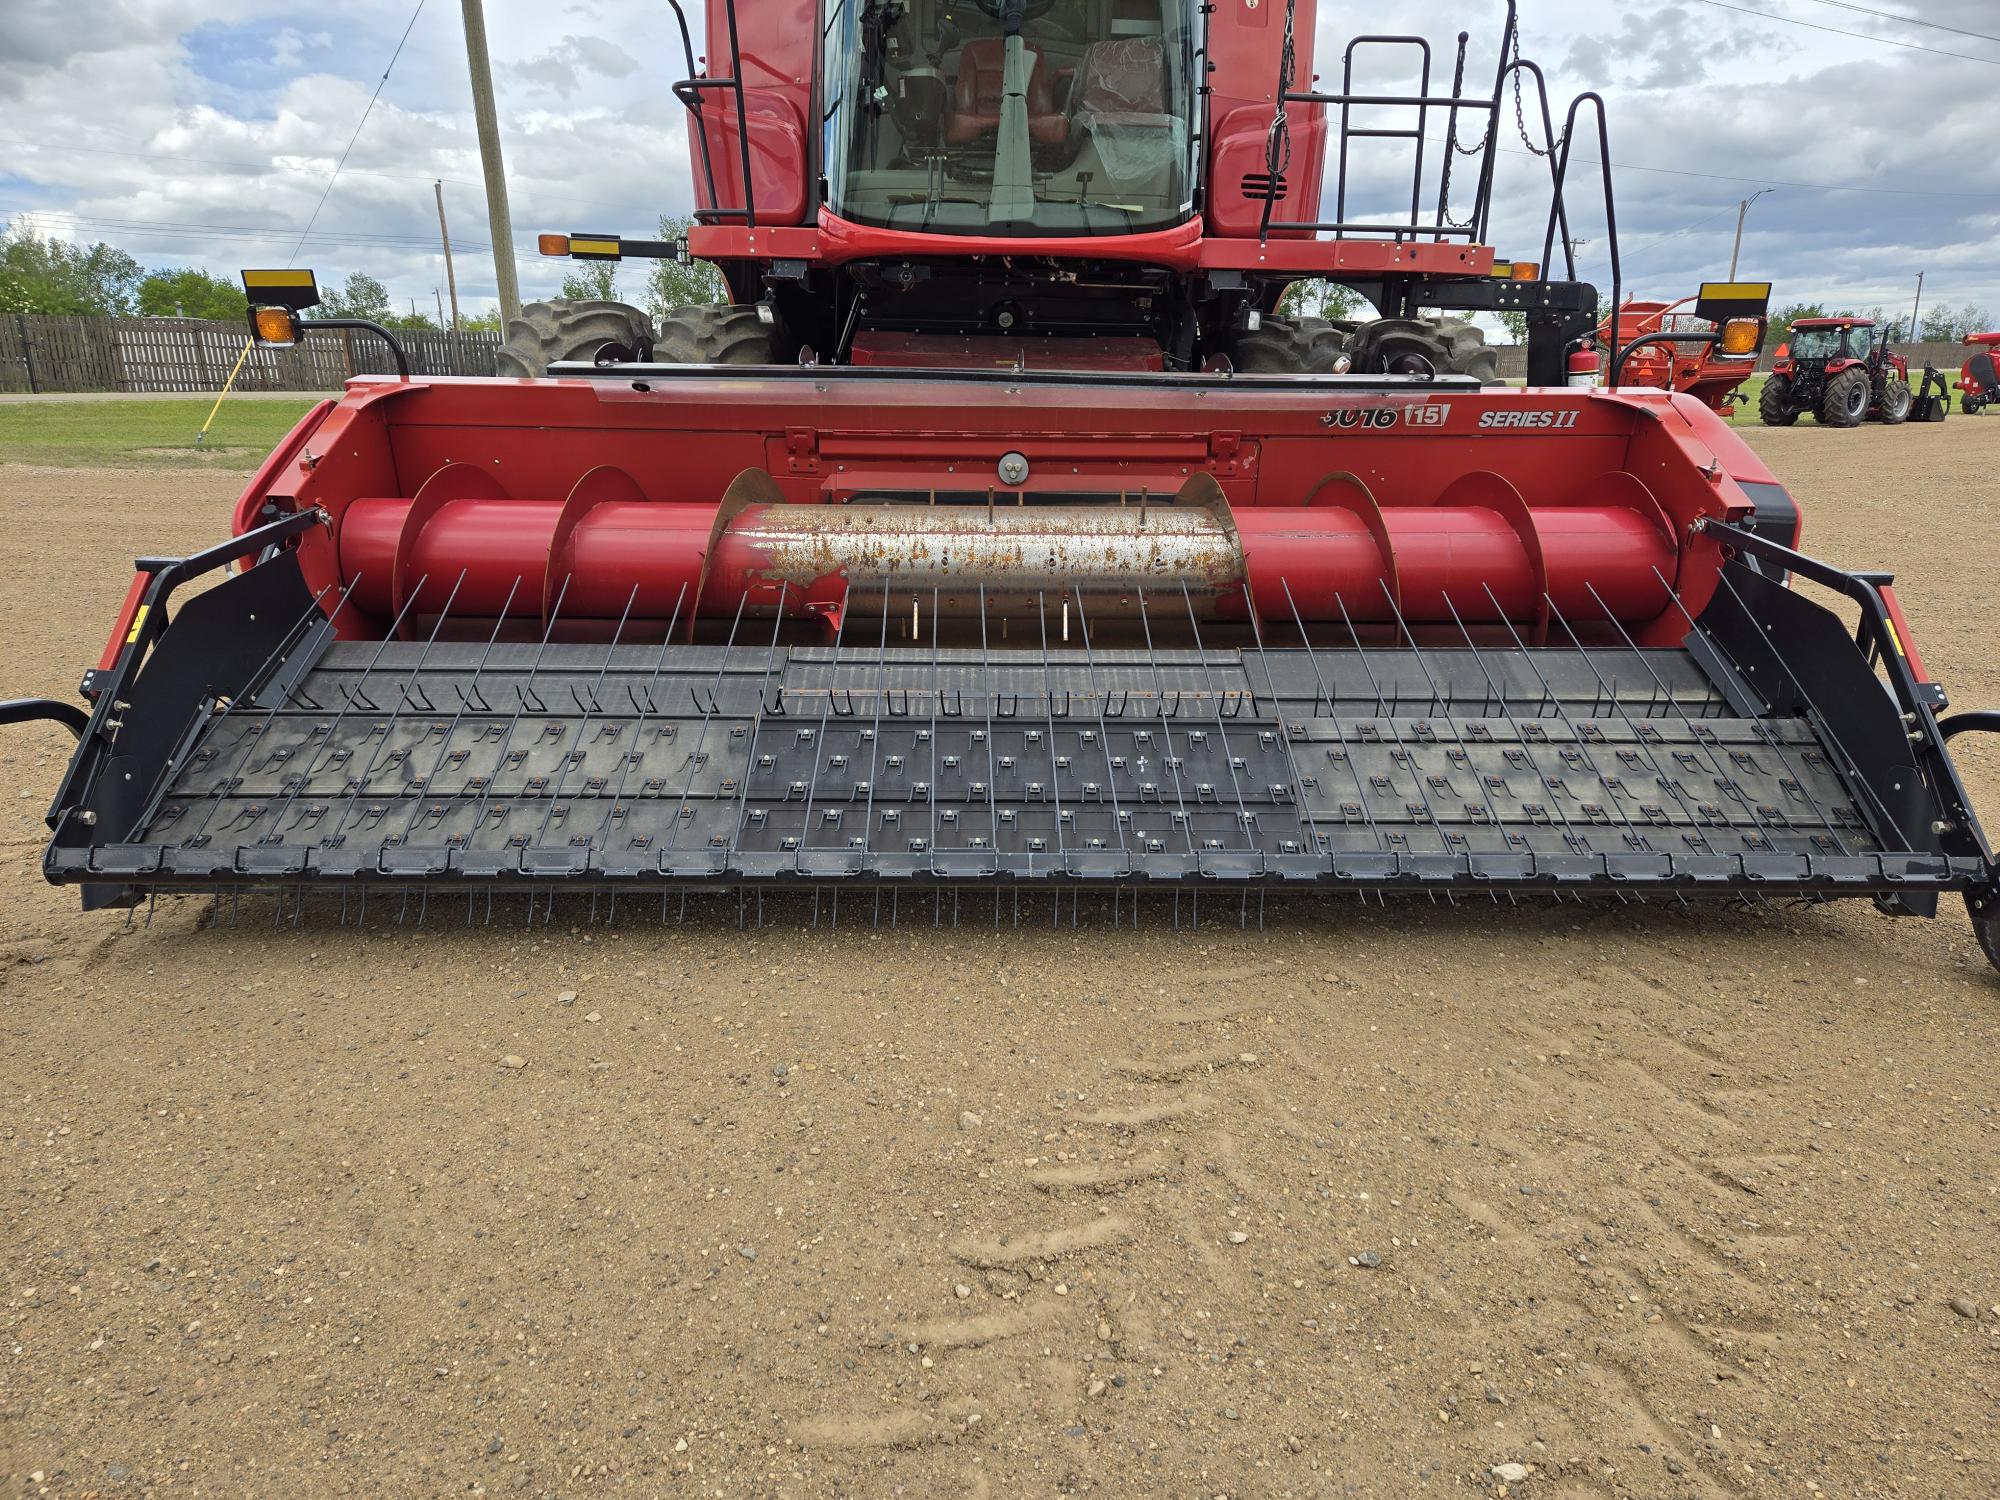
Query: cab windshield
(1829, 343)
(995, 117)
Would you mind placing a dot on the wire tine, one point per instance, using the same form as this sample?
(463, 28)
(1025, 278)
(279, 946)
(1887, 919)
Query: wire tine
(1695, 737)
(1333, 715)
(1638, 740)
(819, 747)
(1284, 735)
(252, 739)
(1826, 724)
(1048, 702)
(697, 756)
(1248, 822)
(1167, 733)
(1103, 734)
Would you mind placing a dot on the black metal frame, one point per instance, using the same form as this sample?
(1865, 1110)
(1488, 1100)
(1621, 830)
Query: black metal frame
(54, 710)
(365, 325)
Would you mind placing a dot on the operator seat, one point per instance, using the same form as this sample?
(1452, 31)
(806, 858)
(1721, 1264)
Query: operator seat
(975, 104)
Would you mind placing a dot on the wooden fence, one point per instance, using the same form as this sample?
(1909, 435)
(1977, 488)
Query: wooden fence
(158, 355)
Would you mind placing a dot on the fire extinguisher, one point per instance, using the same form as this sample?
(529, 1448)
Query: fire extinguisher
(1584, 365)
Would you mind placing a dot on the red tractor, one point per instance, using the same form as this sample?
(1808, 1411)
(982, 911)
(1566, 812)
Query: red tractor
(1979, 381)
(1839, 371)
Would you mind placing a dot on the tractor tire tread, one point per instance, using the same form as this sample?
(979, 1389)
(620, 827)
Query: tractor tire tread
(1289, 346)
(549, 331)
(716, 334)
(1836, 407)
(1774, 405)
(1451, 345)
(1895, 405)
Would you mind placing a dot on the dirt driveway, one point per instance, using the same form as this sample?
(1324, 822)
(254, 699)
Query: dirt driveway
(1651, 1202)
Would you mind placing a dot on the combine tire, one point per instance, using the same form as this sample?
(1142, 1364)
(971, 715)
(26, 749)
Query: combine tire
(1895, 405)
(550, 331)
(716, 334)
(1845, 400)
(1290, 346)
(1444, 345)
(1774, 403)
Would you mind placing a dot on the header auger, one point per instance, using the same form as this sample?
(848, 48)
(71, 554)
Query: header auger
(1029, 553)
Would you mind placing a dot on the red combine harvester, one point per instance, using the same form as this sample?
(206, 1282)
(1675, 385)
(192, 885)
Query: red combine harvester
(1978, 381)
(1836, 369)
(1034, 556)
(1706, 371)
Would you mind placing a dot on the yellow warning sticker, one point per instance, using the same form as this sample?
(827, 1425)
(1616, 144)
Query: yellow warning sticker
(138, 624)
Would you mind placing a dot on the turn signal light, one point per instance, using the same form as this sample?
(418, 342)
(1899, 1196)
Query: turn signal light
(1741, 336)
(552, 244)
(1527, 270)
(276, 326)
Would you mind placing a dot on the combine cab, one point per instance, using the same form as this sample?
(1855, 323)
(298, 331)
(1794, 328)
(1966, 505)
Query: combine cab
(972, 615)
(1979, 382)
(1836, 369)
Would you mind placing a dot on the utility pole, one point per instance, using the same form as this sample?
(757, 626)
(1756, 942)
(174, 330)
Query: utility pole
(1915, 306)
(450, 276)
(1742, 212)
(500, 222)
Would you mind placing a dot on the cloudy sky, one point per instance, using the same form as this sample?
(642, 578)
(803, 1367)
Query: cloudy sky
(206, 132)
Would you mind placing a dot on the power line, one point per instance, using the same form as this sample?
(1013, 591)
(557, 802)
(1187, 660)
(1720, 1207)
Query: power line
(380, 85)
(1890, 15)
(185, 229)
(235, 166)
(1818, 187)
(1862, 36)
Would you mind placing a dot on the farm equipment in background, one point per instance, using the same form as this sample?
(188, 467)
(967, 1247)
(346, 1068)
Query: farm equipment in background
(1979, 381)
(1836, 369)
(984, 577)
(1673, 346)
(1932, 402)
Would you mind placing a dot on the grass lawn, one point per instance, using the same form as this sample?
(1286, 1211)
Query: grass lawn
(144, 433)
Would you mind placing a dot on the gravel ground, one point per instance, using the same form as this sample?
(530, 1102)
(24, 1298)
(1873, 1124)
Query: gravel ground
(1646, 1202)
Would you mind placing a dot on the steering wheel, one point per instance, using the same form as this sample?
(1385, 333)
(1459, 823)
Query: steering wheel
(1031, 10)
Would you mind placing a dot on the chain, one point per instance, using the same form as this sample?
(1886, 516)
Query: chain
(1520, 112)
(1278, 144)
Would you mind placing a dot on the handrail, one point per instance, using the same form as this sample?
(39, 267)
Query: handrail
(1441, 227)
(1610, 204)
(688, 91)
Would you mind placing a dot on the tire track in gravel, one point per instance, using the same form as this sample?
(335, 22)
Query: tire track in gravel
(1638, 1242)
(1099, 1193)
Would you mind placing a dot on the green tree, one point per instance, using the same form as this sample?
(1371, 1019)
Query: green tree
(592, 281)
(1312, 298)
(360, 296)
(486, 321)
(1948, 324)
(675, 283)
(190, 292)
(1783, 319)
(39, 275)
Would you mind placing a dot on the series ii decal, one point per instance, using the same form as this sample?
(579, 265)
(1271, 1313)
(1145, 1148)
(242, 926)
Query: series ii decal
(1528, 418)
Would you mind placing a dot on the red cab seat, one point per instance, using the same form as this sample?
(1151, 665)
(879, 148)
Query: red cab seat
(975, 105)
